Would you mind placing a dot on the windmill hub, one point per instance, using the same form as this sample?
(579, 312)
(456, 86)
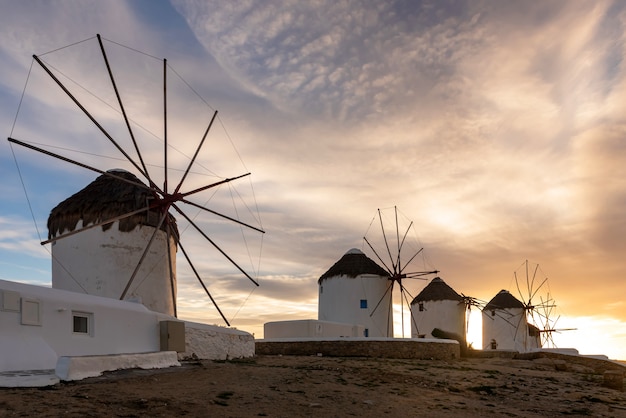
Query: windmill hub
(168, 199)
(397, 277)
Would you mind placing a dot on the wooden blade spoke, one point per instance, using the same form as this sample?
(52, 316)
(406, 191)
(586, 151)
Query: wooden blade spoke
(406, 292)
(532, 283)
(170, 265)
(377, 256)
(195, 272)
(420, 274)
(528, 284)
(68, 160)
(403, 293)
(123, 110)
(402, 245)
(390, 311)
(165, 125)
(517, 327)
(197, 228)
(143, 256)
(221, 215)
(414, 255)
(539, 288)
(208, 186)
(518, 288)
(395, 210)
(93, 120)
(382, 228)
(195, 155)
(389, 288)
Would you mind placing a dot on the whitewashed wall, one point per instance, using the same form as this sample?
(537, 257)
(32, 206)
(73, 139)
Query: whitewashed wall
(100, 263)
(447, 315)
(310, 328)
(117, 327)
(509, 328)
(340, 300)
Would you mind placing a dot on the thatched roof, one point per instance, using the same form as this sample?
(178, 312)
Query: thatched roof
(503, 300)
(437, 289)
(105, 198)
(353, 264)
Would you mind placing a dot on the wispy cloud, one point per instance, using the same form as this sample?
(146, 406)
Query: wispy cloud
(495, 126)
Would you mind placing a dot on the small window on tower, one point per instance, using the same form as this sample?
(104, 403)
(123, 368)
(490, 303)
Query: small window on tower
(366, 332)
(363, 303)
(493, 313)
(421, 306)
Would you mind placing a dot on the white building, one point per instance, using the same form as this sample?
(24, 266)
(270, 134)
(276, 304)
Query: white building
(82, 320)
(38, 325)
(101, 261)
(83, 335)
(505, 325)
(355, 290)
(438, 306)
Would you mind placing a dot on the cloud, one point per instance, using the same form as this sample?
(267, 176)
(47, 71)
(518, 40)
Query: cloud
(496, 127)
(338, 61)
(466, 117)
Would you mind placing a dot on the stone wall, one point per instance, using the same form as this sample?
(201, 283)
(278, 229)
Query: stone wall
(378, 348)
(210, 342)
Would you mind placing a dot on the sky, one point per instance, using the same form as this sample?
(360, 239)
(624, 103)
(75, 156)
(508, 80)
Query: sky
(497, 128)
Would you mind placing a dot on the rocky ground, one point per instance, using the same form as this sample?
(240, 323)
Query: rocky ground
(275, 386)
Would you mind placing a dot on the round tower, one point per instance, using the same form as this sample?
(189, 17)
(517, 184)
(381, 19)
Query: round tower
(350, 291)
(101, 260)
(439, 307)
(505, 325)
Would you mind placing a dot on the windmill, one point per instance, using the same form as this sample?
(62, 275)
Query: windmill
(539, 306)
(89, 117)
(394, 244)
(522, 323)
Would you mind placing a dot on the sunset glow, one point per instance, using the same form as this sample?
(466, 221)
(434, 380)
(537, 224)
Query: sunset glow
(496, 127)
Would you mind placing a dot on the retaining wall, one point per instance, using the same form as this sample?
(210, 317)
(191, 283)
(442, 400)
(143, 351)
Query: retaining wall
(362, 347)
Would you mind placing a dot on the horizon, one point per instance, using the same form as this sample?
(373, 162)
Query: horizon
(497, 129)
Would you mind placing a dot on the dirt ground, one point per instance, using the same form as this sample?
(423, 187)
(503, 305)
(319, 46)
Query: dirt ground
(289, 386)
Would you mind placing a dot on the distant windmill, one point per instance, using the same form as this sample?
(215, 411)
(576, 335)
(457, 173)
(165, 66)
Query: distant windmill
(532, 286)
(521, 324)
(395, 246)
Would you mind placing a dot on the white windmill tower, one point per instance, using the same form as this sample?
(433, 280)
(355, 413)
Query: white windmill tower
(505, 326)
(349, 290)
(103, 259)
(525, 325)
(440, 307)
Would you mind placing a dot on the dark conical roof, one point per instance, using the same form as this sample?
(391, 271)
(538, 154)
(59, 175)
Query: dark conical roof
(437, 289)
(503, 300)
(104, 198)
(353, 264)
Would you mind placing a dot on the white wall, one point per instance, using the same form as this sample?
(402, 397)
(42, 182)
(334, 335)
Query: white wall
(101, 263)
(116, 326)
(509, 328)
(340, 301)
(447, 315)
(311, 328)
